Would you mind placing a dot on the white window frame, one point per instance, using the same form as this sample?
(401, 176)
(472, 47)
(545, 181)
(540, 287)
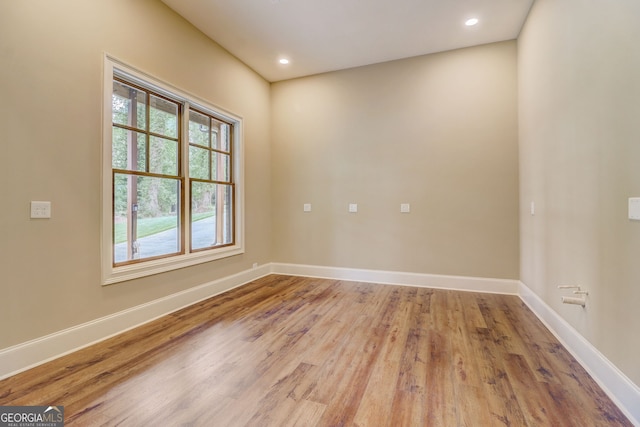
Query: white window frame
(114, 274)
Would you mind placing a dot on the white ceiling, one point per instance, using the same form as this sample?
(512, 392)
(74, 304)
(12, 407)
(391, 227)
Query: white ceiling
(327, 35)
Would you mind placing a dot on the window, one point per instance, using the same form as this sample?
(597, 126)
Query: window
(171, 178)
(211, 187)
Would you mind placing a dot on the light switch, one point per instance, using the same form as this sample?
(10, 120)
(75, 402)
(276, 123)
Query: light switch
(353, 207)
(532, 208)
(40, 209)
(405, 208)
(307, 207)
(634, 208)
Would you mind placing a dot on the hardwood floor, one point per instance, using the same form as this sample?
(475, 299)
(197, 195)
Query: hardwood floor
(292, 351)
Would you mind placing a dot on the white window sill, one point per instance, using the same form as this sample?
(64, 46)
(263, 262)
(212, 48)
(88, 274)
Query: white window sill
(134, 271)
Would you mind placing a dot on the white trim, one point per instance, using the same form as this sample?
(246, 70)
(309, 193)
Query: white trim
(458, 283)
(106, 231)
(624, 393)
(26, 355)
(23, 356)
(134, 271)
(166, 89)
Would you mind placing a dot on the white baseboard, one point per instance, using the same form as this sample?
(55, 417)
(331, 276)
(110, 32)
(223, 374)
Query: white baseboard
(26, 355)
(458, 283)
(624, 393)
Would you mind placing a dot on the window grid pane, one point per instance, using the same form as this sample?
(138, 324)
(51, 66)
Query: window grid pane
(222, 140)
(199, 129)
(164, 117)
(128, 106)
(221, 167)
(163, 156)
(128, 150)
(211, 185)
(146, 219)
(199, 163)
(212, 209)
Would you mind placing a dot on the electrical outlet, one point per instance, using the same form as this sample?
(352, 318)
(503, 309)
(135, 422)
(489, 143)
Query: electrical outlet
(634, 208)
(353, 207)
(405, 208)
(40, 209)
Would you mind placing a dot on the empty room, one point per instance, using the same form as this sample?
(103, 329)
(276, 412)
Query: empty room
(320, 213)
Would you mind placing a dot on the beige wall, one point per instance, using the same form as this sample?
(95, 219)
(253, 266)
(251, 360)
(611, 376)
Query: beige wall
(438, 132)
(579, 106)
(51, 59)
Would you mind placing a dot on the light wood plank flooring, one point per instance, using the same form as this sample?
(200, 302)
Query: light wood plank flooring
(291, 351)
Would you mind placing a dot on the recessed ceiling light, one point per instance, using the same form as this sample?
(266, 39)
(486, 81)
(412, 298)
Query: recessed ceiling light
(283, 61)
(471, 22)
